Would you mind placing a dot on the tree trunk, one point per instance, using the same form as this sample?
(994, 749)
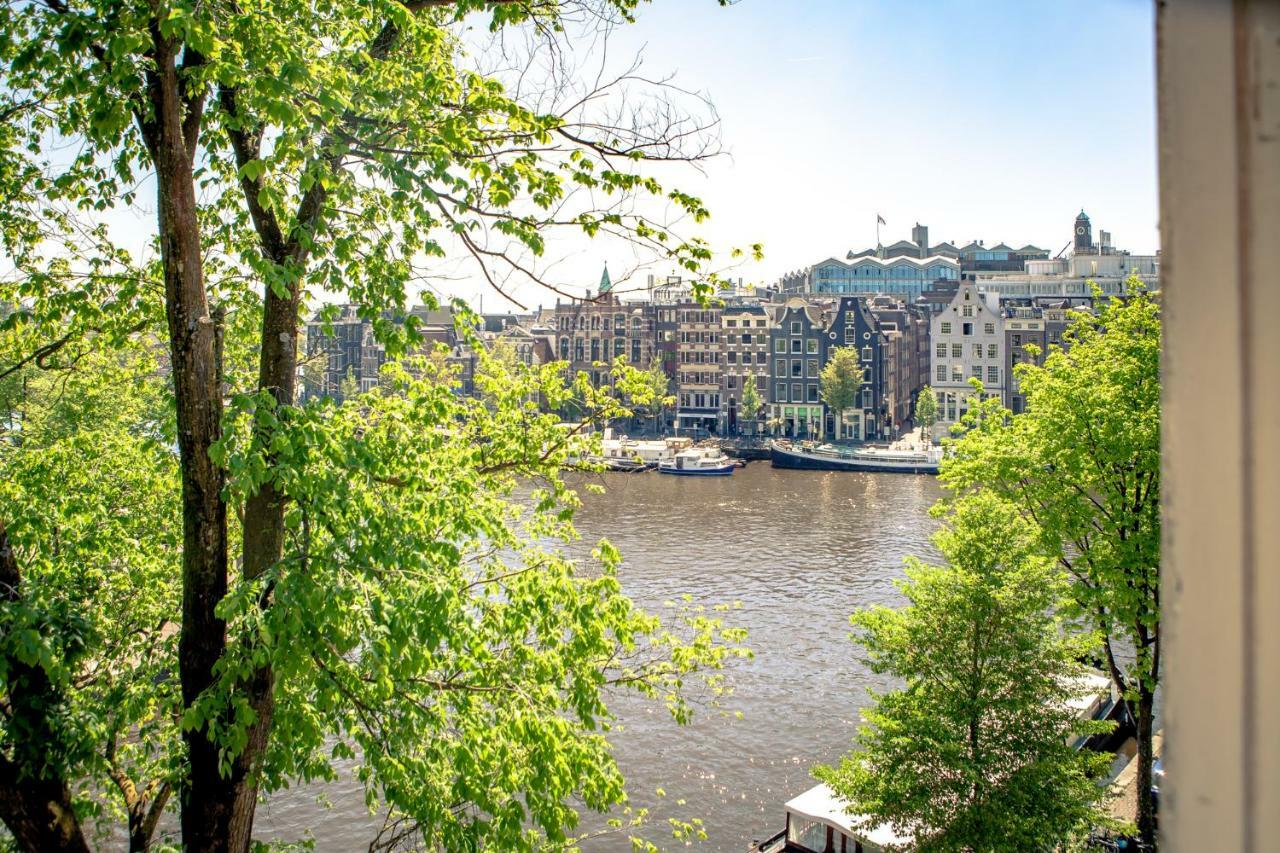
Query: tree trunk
(38, 813)
(1146, 803)
(208, 797)
(35, 802)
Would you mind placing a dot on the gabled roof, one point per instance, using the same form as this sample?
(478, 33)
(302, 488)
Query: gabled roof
(1001, 247)
(1030, 248)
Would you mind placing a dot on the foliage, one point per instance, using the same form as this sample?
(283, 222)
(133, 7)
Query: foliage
(353, 578)
(841, 380)
(927, 410)
(89, 504)
(972, 752)
(752, 402)
(1084, 462)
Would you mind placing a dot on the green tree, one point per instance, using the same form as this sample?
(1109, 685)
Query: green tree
(927, 410)
(752, 403)
(653, 393)
(841, 381)
(334, 597)
(1084, 463)
(973, 752)
(348, 388)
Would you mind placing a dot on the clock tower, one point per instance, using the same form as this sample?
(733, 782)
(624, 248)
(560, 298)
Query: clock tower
(1083, 234)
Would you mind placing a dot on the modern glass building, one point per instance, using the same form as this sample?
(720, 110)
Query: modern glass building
(902, 277)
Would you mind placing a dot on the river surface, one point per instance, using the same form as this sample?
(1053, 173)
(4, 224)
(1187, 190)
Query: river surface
(800, 550)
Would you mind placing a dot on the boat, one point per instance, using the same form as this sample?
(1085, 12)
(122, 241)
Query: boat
(817, 821)
(699, 462)
(828, 457)
(631, 455)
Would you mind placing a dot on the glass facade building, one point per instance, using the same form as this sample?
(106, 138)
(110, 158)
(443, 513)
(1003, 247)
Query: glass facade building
(904, 278)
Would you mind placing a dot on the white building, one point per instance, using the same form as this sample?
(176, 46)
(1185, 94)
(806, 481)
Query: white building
(968, 343)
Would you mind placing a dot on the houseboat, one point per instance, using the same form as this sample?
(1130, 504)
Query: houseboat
(817, 822)
(699, 462)
(828, 457)
(627, 454)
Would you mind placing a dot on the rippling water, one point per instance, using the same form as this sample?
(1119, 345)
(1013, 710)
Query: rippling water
(800, 550)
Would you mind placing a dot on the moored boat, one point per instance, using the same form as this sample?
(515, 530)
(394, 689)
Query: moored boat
(628, 454)
(699, 462)
(828, 457)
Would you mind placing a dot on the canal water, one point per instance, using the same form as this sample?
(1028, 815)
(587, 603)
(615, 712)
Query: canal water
(800, 550)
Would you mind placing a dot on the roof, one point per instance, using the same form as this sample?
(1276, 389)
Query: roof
(897, 260)
(821, 804)
(606, 283)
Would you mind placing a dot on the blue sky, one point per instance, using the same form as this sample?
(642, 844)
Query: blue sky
(993, 121)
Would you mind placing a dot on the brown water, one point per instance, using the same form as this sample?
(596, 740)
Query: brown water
(801, 550)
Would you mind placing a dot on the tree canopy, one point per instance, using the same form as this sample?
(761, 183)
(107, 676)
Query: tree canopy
(841, 381)
(973, 751)
(1083, 462)
(358, 580)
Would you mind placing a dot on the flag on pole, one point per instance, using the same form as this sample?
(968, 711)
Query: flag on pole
(880, 220)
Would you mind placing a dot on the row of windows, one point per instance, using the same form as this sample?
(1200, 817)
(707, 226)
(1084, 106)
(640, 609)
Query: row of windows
(955, 373)
(808, 345)
(699, 401)
(799, 393)
(957, 350)
(598, 323)
(698, 357)
(924, 274)
(599, 352)
(732, 358)
(746, 324)
(699, 378)
(967, 328)
(798, 366)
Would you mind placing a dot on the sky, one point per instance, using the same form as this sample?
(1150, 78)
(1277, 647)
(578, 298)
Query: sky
(994, 121)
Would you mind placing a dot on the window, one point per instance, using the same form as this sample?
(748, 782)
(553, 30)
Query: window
(866, 353)
(731, 339)
(731, 323)
(942, 350)
(957, 373)
(780, 367)
(993, 376)
(988, 328)
(991, 350)
(635, 351)
(731, 357)
(761, 358)
(977, 371)
(946, 328)
(811, 367)
(796, 367)
(957, 350)
(780, 392)
(867, 401)
(730, 382)
(813, 392)
(968, 328)
(796, 345)
(942, 373)
(746, 338)
(797, 392)
(795, 327)
(968, 309)
(977, 350)
(780, 345)
(811, 346)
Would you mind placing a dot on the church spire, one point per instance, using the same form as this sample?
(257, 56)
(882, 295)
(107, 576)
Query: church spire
(606, 284)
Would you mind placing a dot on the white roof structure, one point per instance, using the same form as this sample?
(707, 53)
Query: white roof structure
(822, 804)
